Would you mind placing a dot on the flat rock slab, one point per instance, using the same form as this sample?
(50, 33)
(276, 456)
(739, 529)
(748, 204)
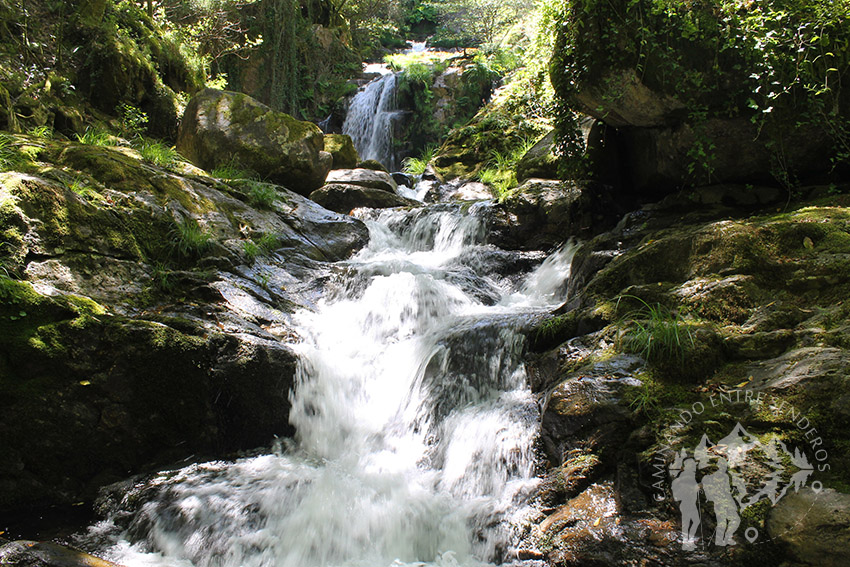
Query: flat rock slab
(363, 178)
(44, 554)
(343, 197)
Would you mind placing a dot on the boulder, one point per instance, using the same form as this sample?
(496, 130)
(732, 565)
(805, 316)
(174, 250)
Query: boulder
(47, 554)
(342, 149)
(342, 198)
(153, 268)
(221, 127)
(815, 526)
(539, 161)
(363, 178)
(542, 213)
(372, 164)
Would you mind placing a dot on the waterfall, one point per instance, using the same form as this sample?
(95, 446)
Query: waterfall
(415, 424)
(371, 119)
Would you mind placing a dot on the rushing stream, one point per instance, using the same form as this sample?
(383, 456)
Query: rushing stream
(415, 425)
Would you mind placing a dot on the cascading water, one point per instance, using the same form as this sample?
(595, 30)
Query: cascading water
(371, 118)
(415, 425)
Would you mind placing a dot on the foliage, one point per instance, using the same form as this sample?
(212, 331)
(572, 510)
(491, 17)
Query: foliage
(188, 240)
(256, 247)
(416, 166)
(776, 62)
(657, 334)
(157, 152)
(232, 171)
(97, 137)
(133, 121)
(478, 20)
(262, 195)
(500, 170)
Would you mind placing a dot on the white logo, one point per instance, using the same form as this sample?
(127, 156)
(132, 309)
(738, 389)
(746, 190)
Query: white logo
(736, 472)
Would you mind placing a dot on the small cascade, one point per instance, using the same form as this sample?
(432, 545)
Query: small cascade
(415, 422)
(371, 120)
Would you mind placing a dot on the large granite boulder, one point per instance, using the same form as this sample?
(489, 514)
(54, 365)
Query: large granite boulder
(221, 127)
(342, 198)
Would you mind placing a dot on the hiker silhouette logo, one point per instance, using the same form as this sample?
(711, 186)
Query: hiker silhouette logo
(729, 476)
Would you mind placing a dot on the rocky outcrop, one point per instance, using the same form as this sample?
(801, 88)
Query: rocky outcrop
(644, 71)
(814, 525)
(754, 301)
(144, 315)
(539, 161)
(220, 128)
(343, 198)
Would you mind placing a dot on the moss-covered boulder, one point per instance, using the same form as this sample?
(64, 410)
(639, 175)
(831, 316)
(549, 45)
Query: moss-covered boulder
(342, 149)
(221, 128)
(143, 314)
(539, 161)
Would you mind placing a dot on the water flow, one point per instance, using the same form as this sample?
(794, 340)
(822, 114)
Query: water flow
(415, 425)
(370, 120)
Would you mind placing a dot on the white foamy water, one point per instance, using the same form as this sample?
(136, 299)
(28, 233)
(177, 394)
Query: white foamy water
(415, 425)
(370, 120)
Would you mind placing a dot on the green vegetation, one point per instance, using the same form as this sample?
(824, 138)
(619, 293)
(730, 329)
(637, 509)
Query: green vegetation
(417, 166)
(262, 195)
(775, 63)
(264, 245)
(232, 171)
(500, 170)
(659, 335)
(97, 137)
(157, 153)
(190, 241)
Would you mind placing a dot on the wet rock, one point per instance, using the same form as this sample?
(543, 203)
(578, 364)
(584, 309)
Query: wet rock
(341, 148)
(542, 213)
(815, 527)
(46, 554)
(143, 333)
(343, 198)
(221, 127)
(403, 179)
(363, 178)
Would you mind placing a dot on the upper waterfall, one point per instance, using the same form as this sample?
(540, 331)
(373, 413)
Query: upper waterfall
(371, 120)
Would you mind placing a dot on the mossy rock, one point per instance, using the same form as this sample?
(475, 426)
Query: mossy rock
(224, 128)
(341, 147)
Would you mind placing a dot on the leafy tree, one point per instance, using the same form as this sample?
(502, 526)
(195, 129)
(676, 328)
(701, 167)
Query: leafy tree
(480, 20)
